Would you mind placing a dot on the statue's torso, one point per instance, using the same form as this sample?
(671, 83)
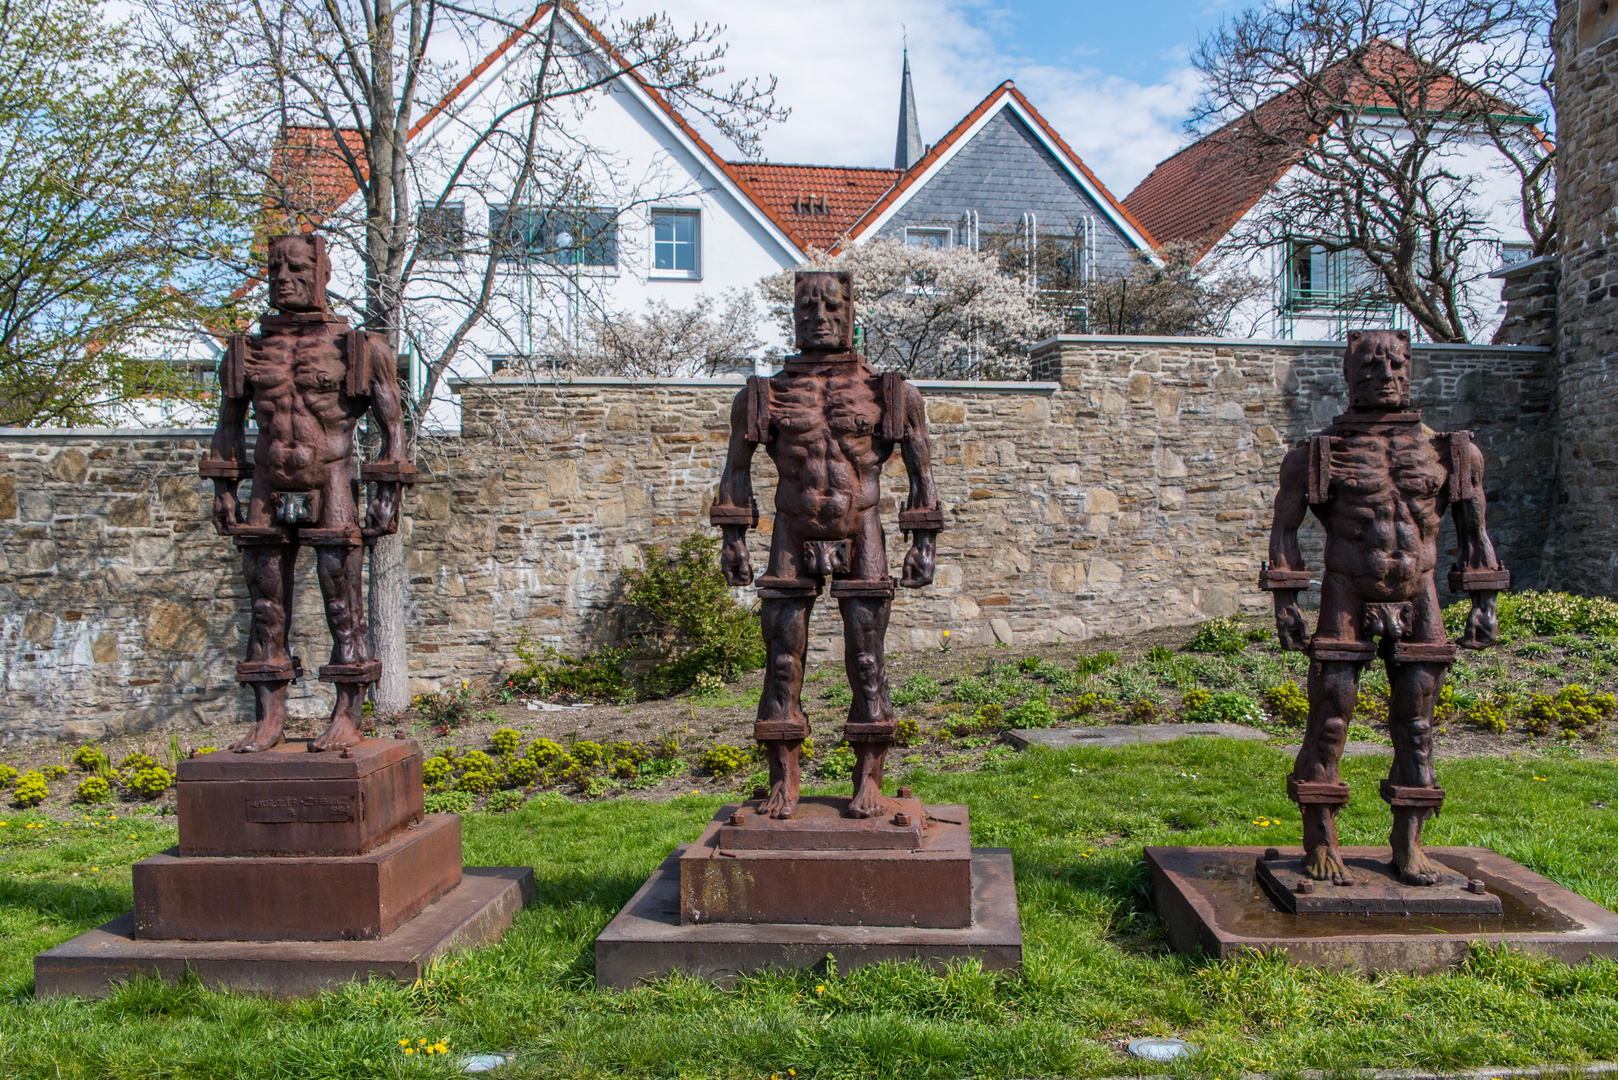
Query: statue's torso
(295, 375)
(1387, 497)
(826, 442)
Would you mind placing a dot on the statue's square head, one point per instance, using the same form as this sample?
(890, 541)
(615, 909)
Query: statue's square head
(823, 311)
(1376, 367)
(298, 271)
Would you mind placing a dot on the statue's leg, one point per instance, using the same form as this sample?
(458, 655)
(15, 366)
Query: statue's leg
(1414, 693)
(268, 668)
(781, 725)
(1316, 784)
(871, 726)
(351, 670)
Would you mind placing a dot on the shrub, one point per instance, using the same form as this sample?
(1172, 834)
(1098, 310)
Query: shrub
(989, 718)
(520, 772)
(449, 802)
(54, 772)
(1488, 716)
(476, 782)
(448, 708)
(707, 685)
(504, 802)
(1288, 703)
(1372, 707)
(597, 676)
(681, 615)
(1096, 663)
(1033, 713)
(1221, 635)
(149, 782)
(916, 689)
(137, 761)
(1157, 654)
(1223, 707)
(545, 753)
(477, 761)
(722, 760)
(1542, 613)
(8, 775)
(90, 758)
(505, 741)
(1260, 634)
(837, 765)
(436, 770)
(906, 731)
(1541, 715)
(1084, 704)
(93, 789)
(1142, 711)
(31, 789)
(587, 754)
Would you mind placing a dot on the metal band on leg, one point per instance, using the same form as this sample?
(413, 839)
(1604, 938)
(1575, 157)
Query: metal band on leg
(870, 733)
(880, 589)
(1317, 792)
(780, 730)
(363, 673)
(252, 671)
(1401, 796)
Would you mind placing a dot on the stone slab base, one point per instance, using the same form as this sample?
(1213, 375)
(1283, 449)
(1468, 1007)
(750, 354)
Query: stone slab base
(646, 940)
(925, 880)
(317, 898)
(1212, 902)
(1376, 890)
(475, 912)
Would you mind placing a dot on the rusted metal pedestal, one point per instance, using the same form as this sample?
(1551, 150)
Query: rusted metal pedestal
(294, 872)
(754, 893)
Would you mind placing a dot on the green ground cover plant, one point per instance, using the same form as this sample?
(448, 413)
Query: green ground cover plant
(1096, 969)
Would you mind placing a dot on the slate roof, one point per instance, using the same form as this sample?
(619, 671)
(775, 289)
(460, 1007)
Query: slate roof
(820, 201)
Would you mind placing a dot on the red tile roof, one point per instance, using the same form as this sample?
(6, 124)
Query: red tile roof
(1198, 195)
(914, 174)
(821, 201)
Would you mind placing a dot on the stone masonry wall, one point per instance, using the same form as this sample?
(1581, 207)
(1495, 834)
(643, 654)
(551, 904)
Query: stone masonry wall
(1583, 555)
(1130, 489)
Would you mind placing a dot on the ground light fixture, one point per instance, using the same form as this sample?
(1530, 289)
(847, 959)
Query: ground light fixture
(1159, 1048)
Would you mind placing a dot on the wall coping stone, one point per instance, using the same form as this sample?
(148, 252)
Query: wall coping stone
(1523, 267)
(1270, 343)
(35, 434)
(943, 386)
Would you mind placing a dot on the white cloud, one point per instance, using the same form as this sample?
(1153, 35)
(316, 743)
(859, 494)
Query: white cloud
(838, 62)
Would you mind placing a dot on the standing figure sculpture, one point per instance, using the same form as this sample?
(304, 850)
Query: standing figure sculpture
(1379, 482)
(309, 379)
(829, 422)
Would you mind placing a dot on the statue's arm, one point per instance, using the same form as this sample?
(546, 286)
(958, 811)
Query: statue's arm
(923, 515)
(227, 464)
(1285, 575)
(391, 468)
(733, 510)
(1478, 571)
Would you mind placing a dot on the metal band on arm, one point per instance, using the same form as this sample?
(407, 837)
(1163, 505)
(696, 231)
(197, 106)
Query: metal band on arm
(922, 520)
(745, 516)
(225, 469)
(396, 472)
(1497, 580)
(1276, 579)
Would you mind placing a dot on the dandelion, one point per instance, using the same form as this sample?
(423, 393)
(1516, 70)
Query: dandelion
(820, 989)
(421, 1042)
(1543, 779)
(95, 869)
(410, 1049)
(404, 1042)
(792, 1072)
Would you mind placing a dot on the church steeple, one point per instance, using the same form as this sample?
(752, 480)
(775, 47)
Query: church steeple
(907, 149)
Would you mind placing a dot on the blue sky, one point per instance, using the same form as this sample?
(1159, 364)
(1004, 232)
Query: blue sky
(1114, 78)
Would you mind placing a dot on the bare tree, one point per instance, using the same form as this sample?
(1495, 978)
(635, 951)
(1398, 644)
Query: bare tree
(1184, 297)
(1387, 112)
(312, 106)
(660, 341)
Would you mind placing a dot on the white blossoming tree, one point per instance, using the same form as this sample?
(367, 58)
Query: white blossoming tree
(938, 313)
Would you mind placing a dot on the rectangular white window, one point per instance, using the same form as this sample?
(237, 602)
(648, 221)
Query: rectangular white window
(676, 243)
(1515, 253)
(933, 238)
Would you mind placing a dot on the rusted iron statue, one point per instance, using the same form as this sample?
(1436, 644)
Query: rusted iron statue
(309, 379)
(1379, 482)
(829, 422)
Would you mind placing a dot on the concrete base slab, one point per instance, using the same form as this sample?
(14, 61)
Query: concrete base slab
(646, 940)
(1124, 735)
(1354, 748)
(1212, 902)
(475, 912)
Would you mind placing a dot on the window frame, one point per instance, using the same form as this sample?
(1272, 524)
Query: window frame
(694, 215)
(541, 225)
(455, 251)
(946, 232)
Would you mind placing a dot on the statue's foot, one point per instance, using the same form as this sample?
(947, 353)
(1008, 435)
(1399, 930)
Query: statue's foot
(265, 735)
(1409, 861)
(782, 801)
(867, 801)
(1324, 864)
(339, 735)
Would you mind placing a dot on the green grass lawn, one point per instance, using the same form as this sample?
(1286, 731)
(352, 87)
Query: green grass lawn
(1096, 969)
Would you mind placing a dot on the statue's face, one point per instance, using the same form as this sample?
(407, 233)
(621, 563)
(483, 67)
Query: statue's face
(296, 278)
(1377, 369)
(823, 313)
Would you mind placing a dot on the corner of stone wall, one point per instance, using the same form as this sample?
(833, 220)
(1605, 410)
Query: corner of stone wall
(1529, 292)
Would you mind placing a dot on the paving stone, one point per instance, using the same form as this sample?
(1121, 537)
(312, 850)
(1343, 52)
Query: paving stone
(1125, 735)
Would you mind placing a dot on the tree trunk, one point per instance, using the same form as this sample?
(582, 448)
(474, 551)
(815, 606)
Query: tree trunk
(385, 603)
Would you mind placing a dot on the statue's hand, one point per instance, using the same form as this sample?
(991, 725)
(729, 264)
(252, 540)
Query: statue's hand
(382, 515)
(1290, 629)
(733, 558)
(1482, 623)
(224, 507)
(919, 561)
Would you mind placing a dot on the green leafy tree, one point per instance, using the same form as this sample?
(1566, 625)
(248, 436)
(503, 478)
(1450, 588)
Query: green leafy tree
(681, 610)
(89, 200)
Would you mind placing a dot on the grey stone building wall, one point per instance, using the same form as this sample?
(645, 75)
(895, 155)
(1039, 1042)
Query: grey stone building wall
(1583, 554)
(1130, 488)
(1003, 172)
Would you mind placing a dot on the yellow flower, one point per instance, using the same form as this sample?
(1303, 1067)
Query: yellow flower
(410, 1050)
(1543, 779)
(95, 869)
(404, 1042)
(820, 989)
(1036, 796)
(946, 633)
(421, 1042)
(792, 1072)
(132, 836)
